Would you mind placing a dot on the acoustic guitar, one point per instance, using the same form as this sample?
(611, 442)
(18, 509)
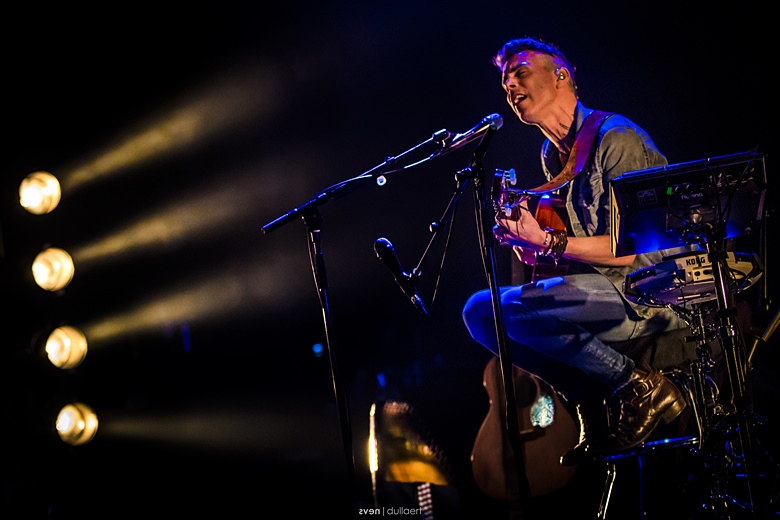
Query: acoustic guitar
(547, 429)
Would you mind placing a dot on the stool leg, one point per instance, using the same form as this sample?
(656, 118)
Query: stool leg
(640, 461)
(605, 496)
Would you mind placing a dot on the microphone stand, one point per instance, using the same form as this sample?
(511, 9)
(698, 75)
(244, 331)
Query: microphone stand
(484, 213)
(518, 480)
(311, 217)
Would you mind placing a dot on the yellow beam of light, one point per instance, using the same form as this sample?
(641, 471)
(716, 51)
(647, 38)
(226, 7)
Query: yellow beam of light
(243, 95)
(229, 428)
(234, 291)
(182, 221)
(240, 197)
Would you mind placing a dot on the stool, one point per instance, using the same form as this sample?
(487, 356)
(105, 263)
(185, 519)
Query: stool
(689, 440)
(686, 358)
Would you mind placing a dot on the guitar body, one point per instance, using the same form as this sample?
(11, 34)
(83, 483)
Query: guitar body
(547, 431)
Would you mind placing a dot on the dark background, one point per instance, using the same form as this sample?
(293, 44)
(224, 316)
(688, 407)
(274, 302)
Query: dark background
(211, 399)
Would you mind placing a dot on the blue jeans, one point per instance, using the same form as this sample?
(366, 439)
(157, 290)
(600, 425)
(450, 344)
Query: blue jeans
(557, 329)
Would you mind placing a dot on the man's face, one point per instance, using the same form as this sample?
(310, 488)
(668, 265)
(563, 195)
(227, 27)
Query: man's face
(529, 81)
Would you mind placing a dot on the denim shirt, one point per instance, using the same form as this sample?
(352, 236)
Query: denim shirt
(621, 146)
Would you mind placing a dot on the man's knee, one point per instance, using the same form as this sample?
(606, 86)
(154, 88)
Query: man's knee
(478, 306)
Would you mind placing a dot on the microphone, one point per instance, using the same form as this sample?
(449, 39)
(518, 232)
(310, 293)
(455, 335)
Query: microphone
(454, 141)
(386, 253)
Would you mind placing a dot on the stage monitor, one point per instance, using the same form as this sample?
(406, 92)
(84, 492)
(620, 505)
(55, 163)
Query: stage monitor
(687, 203)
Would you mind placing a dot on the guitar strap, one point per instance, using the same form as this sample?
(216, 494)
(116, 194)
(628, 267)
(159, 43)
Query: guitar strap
(578, 156)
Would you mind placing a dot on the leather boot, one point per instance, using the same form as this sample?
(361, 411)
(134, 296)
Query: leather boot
(646, 399)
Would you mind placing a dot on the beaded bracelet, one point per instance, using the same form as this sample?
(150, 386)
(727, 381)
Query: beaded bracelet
(546, 243)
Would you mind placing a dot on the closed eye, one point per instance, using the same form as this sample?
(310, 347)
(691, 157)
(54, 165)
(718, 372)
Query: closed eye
(513, 73)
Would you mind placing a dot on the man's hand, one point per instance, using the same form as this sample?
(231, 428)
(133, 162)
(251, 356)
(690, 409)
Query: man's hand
(520, 230)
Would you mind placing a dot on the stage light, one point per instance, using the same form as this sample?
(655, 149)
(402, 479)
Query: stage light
(66, 347)
(53, 269)
(77, 424)
(39, 193)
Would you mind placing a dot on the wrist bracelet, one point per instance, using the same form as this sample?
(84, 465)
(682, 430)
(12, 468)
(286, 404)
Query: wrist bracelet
(558, 244)
(546, 244)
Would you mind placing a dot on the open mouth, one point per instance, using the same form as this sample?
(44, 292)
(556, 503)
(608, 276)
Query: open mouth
(518, 99)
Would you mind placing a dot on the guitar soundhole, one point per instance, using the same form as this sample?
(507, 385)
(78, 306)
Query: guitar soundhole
(526, 390)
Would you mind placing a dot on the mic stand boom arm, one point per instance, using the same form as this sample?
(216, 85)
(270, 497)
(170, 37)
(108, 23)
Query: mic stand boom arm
(342, 188)
(449, 142)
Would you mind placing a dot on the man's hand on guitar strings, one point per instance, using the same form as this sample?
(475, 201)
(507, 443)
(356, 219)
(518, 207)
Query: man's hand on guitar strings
(503, 221)
(523, 231)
